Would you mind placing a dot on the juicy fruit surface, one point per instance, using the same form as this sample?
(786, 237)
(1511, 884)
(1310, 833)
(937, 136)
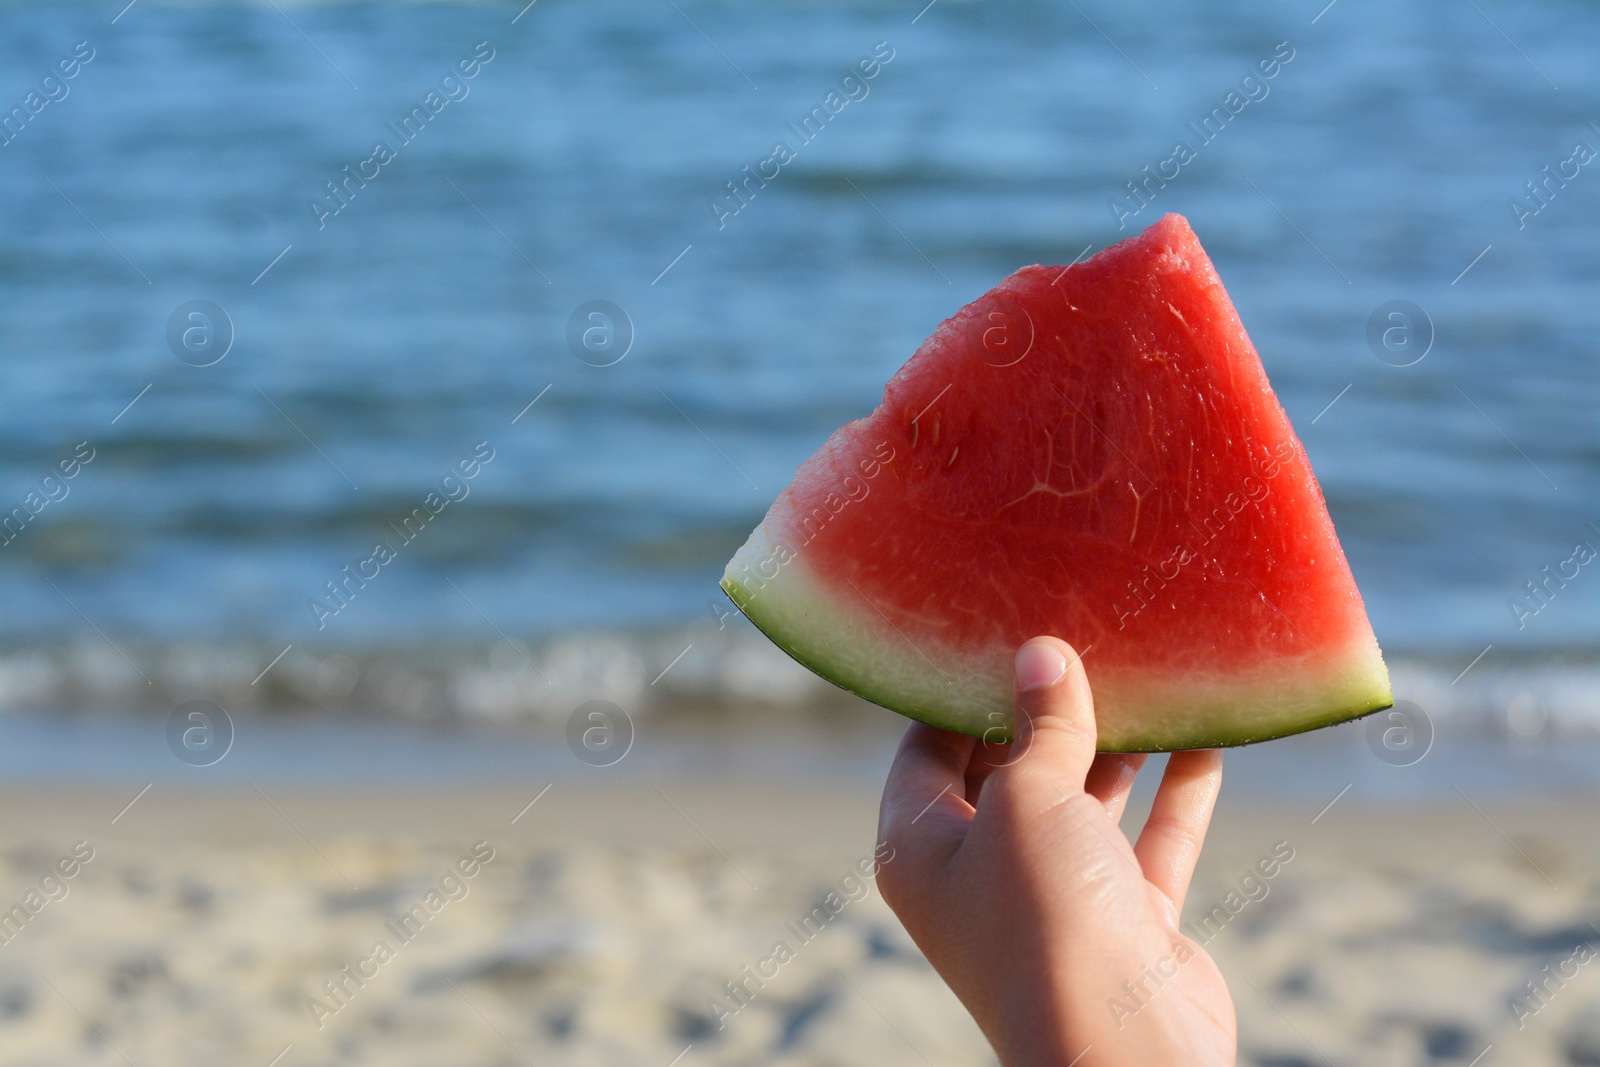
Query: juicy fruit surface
(1092, 452)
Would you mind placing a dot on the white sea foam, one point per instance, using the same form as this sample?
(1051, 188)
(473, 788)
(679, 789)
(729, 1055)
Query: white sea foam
(682, 673)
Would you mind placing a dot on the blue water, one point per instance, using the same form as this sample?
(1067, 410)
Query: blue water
(425, 315)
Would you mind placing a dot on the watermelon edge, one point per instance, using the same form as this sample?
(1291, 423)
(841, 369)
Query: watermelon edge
(800, 615)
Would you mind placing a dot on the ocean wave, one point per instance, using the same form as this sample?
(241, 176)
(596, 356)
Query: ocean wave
(722, 672)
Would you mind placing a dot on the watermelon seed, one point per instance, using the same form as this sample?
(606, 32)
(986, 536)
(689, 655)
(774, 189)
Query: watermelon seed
(952, 461)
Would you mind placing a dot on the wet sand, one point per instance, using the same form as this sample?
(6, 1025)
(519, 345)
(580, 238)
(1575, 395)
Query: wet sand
(601, 925)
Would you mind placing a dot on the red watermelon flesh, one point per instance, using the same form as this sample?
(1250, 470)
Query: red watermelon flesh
(1092, 452)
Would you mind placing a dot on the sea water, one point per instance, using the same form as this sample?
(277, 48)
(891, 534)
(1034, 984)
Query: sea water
(399, 219)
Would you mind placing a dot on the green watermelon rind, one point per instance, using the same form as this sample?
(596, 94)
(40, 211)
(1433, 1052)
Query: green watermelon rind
(814, 627)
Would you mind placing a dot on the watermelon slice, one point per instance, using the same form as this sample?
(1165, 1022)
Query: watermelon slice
(1091, 452)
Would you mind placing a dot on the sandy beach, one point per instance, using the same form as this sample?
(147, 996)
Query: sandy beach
(603, 923)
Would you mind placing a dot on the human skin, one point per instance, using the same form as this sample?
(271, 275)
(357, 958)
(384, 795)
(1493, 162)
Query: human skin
(1014, 878)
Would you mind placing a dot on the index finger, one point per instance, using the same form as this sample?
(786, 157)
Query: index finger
(924, 811)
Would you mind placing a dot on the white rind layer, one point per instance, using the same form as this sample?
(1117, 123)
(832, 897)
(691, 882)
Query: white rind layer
(848, 640)
(854, 646)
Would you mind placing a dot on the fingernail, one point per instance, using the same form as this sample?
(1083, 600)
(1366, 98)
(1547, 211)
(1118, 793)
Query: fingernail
(1039, 665)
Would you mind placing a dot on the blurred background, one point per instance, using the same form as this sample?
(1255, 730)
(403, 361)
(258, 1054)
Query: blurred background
(246, 344)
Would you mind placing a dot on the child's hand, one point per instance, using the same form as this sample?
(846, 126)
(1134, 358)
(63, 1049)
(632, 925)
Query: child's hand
(1019, 887)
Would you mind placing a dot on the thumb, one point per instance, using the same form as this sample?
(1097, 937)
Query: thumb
(1055, 727)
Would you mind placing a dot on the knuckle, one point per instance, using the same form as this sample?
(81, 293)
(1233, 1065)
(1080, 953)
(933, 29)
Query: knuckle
(897, 886)
(1165, 827)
